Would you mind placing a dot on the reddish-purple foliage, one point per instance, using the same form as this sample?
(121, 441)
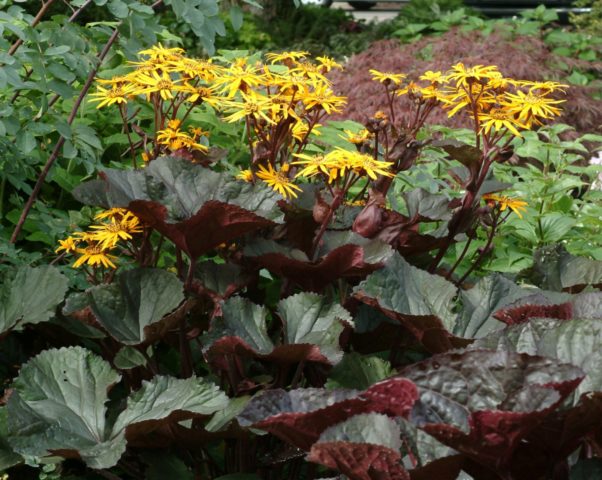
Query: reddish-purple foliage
(522, 314)
(521, 57)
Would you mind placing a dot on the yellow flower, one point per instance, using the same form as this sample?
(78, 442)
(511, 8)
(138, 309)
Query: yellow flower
(193, 68)
(506, 202)
(300, 130)
(357, 138)
(159, 52)
(530, 105)
(114, 212)
(388, 77)
(323, 98)
(433, 77)
(286, 56)
(499, 118)
(479, 73)
(69, 245)
(245, 175)
(118, 93)
(328, 63)
(278, 180)
(367, 165)
(108, 234)
(239, 77)
(313, 165)
(159, 83)
(253, 105)
(94, 255)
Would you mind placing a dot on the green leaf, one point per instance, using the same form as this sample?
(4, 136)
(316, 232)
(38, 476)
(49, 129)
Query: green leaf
(578, 342)
(58, 403)
(223, 417)
(164, 396)
(236, 17)
(359, 372)
(137, 299)
(427, 205)
(129, 357)
(164, 465)
(31, 296)
(310, 319)
(556, 269)
(8, 458)
(409, 290)
(243, 319)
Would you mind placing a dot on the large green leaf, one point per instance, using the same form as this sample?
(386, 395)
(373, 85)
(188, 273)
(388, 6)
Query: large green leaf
(358, 371)
(30, 296)
(578, 342)
(312, 327)
(139, 298)
(183, 187)
(421, 302)
(362, 447)
(8, 458)
(556, 269)
(164, 396)
(311, 319)
(59, 405)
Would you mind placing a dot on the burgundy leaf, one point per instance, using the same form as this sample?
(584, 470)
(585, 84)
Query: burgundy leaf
(360, 461)
(213, 224)
(300, 416)
(515, 315)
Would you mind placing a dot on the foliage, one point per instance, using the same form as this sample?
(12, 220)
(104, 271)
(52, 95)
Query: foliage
(592, 20)
(296, 318)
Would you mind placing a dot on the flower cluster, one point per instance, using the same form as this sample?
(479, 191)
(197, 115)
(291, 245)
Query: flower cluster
(94, 247)
(498, 105)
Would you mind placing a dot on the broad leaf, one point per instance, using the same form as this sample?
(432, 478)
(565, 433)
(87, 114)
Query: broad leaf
(358, 371)
(59, 405)
(312, 327)
(310, 319)
(421, 302)
(340, 255)
(424, 205)
(484, 402)
(556, 269)
(136, 300)
(300, 416)
(8, 458)
(198, 209)
(364, 447)
(578, 342)
(30, 296)
(164, 397)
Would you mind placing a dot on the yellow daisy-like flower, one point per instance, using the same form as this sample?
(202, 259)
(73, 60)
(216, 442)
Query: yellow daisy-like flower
(159, 52)
(69, 245)
(108, 235)
(323, 98)
(94, 255)
(500, 118)
(118, 93)
(114, 212)
(433, 77)
(313, 165)
(504, 202)
(388, 77)
(530, 105)
(160, 83)
(245, 175)
(328, 63)
(239, 77)
(278, 180)
(253, 105)
(367, 165)
(357, 138)
(479, 73)
(286, 56)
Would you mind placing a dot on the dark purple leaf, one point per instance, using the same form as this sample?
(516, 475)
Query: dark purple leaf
(300, 416)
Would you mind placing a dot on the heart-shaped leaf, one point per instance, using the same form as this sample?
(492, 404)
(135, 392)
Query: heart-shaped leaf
(300, 416)
(363, 447)
(483, 403)
(30, 296)
(421, 302)
(59, 404)
(137, 299)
